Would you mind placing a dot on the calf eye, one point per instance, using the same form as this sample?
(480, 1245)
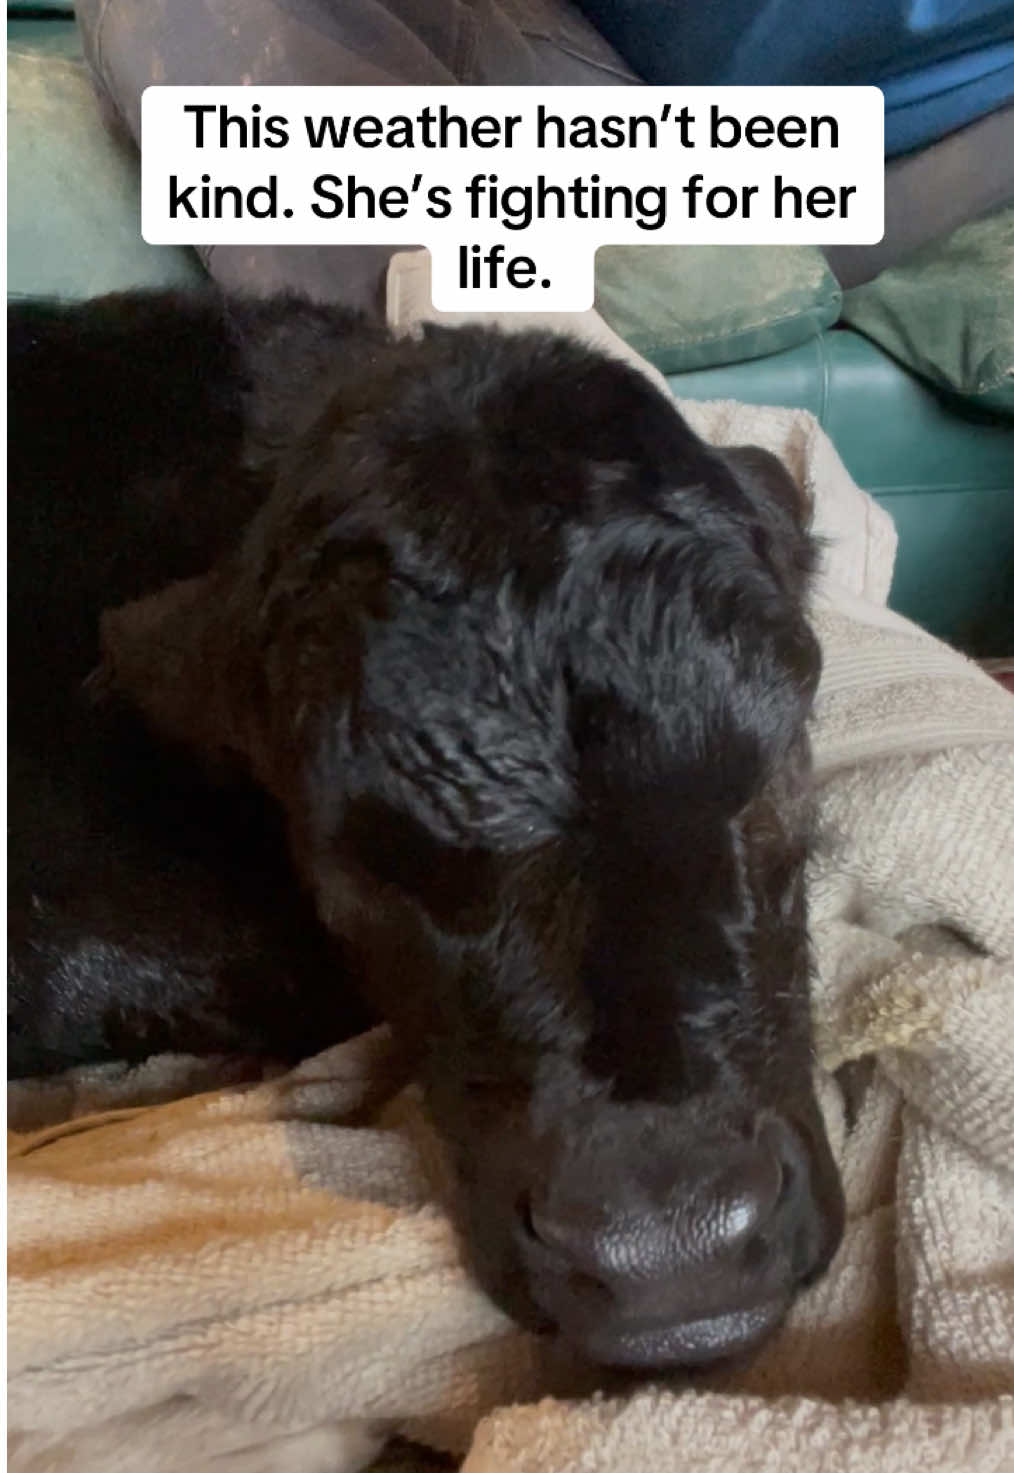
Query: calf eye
(456, 886)
(494, 1093)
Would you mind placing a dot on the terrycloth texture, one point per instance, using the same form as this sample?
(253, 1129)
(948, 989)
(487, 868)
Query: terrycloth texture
(259, 1278)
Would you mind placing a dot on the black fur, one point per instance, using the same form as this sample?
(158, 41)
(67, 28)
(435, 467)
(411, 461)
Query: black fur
(146, 910)
(526, 667)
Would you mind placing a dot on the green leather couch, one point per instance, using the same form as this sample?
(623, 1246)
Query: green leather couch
(945, 475)
(947, 479)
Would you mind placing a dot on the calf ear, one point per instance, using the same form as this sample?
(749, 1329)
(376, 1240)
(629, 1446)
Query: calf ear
(765, 475)
(233, 664)
(162, 656)
(784, 511)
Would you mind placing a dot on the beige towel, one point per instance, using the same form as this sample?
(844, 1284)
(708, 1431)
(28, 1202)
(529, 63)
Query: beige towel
(257, 1277)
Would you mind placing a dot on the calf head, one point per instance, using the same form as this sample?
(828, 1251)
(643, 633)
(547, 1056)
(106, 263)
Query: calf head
(528, 666)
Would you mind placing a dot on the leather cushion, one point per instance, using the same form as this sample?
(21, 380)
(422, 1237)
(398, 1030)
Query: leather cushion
(686, 308)
(74, 217)
(948, 312)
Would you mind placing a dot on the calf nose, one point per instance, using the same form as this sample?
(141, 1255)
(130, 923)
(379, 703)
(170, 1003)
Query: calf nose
(641, 1261)
(708, 1220)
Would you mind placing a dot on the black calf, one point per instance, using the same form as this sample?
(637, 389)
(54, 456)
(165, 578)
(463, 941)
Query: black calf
(527, 668)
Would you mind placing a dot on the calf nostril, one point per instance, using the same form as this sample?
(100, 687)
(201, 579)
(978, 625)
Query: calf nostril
(523, 1207)
(797, 1226)
(565, 1243)
(538, 1228)
(780, 1142)
(566, 1238)
(756, 1253)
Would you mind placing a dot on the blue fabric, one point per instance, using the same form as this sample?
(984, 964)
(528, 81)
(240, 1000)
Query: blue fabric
(941, 63)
